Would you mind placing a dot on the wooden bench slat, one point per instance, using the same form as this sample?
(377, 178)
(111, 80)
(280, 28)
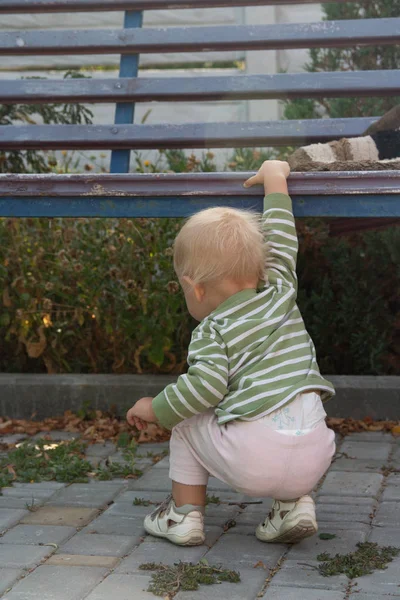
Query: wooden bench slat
(52, 6)
(152, 185)
(175, 89)
(201, 39)
(193, 135)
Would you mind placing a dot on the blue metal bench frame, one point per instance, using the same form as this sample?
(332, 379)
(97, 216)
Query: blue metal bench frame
(120, 194)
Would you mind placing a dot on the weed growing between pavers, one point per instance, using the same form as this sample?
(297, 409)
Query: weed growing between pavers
(112, 469)
(212, 499)
(167, 581)
(43, 460)
(367, 558)
(143, 502)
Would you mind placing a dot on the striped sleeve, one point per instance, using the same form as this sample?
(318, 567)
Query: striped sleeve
(281, 239)
(202, 387)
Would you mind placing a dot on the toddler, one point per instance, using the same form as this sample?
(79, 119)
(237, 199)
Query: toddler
(249, 410)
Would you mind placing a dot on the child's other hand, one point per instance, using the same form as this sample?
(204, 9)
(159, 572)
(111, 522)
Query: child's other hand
(141, 413)
(269, 170)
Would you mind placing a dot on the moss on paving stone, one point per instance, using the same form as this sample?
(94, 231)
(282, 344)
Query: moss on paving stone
(44, 460)
(167, 581)
(367, 558)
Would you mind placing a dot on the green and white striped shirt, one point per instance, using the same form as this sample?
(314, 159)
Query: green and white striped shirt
(253, 354)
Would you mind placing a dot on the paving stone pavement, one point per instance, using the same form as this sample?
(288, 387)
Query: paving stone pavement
(87, 542)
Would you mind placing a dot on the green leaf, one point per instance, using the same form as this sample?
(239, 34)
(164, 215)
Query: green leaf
(156, 354)
(326, 536)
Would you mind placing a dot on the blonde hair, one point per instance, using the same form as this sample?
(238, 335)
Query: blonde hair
(220, 243)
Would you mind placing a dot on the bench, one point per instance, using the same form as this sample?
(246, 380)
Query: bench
(123, 194)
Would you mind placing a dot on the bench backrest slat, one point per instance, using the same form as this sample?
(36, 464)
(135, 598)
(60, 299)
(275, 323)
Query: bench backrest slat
(52, 6)
(190, 39)
(192, 135)
(187, 89)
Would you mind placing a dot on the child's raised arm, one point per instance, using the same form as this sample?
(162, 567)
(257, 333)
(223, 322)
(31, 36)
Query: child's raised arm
(278, 223)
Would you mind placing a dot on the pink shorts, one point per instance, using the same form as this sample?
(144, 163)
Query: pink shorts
(249, 456)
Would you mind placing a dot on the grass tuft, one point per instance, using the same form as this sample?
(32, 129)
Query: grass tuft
(368, 558)
(167, 581)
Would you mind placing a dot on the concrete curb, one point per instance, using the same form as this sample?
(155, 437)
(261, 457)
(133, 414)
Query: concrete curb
(41, 396)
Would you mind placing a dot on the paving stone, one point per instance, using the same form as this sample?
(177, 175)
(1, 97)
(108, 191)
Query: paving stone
(215, 484)
(358, 466)
(101, 450)
(293, 574)
(244, 551)
(345, 500)
(85, 495)
(127, 509)
(122, 587)
(57, 436)
(56, 515)
(98, 545)
(8, 577)
(286, 593)
(11, 502)
(118, 481)
(347, 509)
(358, 505)
(357, 595)
(163, 463)
(22, 557)
(155, 480)
(159, 551)
(10, 516)
(385, 536)
(344, 542)
(76, 560)
(41, 485)
(27, 493)
(381, 582)
(144, 463)
(338, 526)
(369, 436)
(155, 448)
(396, 457)
(393, 479)
(351, 484)
(344, 520)
(388, 513)
(123, 504)
(391, 492)
(242, 519)
(57, 583)
(37, 534)
(241, 530)
(118, 525)
(365, 450)
(251, 582)
(338, 513)
(14, 438)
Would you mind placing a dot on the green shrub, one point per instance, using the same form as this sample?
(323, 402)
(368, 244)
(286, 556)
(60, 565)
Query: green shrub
(100, 295)
(90, 295)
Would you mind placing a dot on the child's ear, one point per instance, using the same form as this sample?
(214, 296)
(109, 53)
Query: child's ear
(197, 288)
(199, 292)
